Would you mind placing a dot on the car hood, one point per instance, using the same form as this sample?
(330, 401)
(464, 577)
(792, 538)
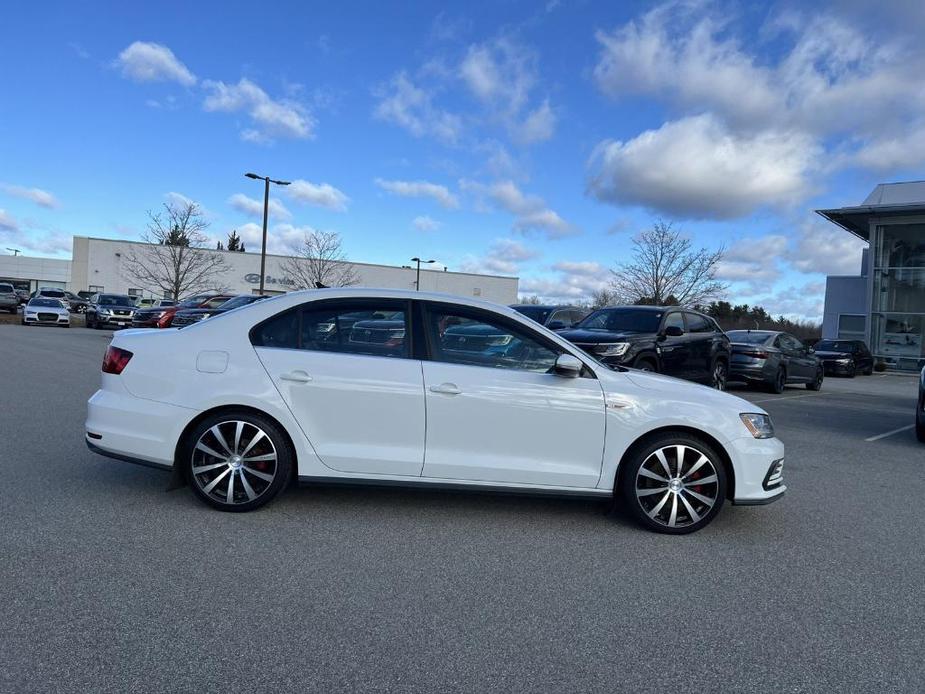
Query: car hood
(581, 335)
(833, 355)
(699, 397)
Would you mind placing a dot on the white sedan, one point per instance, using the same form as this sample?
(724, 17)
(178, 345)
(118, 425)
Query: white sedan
(409, 388)
(46, 311)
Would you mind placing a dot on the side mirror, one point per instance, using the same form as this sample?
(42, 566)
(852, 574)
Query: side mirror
(673, 331)
(568, 366)
(557, 325)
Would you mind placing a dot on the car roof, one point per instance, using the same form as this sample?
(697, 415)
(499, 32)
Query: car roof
(757, 332)
(547, 306)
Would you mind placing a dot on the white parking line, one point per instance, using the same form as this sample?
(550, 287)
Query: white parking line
(792, 397)
(890, 433)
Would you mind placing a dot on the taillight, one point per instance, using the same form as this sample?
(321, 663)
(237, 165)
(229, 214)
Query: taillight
(165, 320)
(756, 354)
(115, 360)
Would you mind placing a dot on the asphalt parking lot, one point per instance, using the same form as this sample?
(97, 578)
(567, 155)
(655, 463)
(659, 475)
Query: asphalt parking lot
(111, 583)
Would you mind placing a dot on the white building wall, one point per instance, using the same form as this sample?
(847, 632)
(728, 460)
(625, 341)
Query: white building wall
(38, 272)
(100, 261)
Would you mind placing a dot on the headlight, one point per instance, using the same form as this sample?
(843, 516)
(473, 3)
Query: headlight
(204, 316)
(843, 360)
(758, 425)
(617, 349)
(102, 311)
(30, 311)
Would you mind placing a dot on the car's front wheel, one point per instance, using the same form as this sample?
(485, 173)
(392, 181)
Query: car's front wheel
(236, 461)
(674, 484)
(720, 375)
(816, 383)
(920, 425)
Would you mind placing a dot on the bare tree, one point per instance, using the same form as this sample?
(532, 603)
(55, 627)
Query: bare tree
(175, 261)
(320, 261)
(602, 297)
(665, 269)
(533, 300)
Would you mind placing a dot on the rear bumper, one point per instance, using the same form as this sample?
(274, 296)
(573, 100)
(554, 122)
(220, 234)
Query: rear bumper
(752, 460)
(112, 426)
(750, 372)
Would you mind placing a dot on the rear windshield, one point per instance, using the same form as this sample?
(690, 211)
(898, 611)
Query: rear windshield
(749, 336)
(56, 293)
(835, 346)
(6, 288)
(622, 320)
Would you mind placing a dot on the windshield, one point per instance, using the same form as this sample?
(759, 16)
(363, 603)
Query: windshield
(6, 288)
(751, 337)
(835, 346)
(537, 313)
(115, 300)
(48, 303)
(54, 293)
(623, 320)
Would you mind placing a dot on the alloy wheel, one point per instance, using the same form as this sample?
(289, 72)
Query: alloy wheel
(234, 462)
(719, 376)
(677, 485)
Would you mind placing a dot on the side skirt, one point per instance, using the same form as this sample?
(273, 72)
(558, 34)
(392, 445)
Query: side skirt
(456, 487)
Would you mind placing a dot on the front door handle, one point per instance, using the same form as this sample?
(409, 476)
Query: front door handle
(446, 389)
(296, 377)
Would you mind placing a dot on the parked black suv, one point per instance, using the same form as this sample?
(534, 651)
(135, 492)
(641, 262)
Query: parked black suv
(671, 340)
(553, 317)
(845, 357)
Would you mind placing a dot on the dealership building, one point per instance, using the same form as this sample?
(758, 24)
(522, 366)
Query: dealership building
(96, 265)
(884, 304)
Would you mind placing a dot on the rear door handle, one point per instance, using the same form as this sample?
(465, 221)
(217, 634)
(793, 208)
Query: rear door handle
(296, 377)
(446, 389)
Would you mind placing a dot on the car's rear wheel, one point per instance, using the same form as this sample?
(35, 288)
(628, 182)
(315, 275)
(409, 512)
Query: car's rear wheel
(675, 484)
(816, 383)
(720, 375)
(237, 461)
(779, 382)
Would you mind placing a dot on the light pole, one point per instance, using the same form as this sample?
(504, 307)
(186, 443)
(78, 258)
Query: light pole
(14, 251)
(266, 207)
(417, 281)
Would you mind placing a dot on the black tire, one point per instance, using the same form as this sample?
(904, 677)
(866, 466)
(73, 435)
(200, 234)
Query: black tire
(645, 364)
(920, 428)
(210, 475)
(719, 374)
(641, 495)
(816, 383)
(869, 371)
(852, 372)
(779, 382)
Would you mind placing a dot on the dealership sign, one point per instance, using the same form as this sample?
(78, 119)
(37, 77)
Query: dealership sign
(254, 278)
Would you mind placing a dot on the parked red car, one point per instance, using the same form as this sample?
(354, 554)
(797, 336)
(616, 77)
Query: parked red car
(162, 317)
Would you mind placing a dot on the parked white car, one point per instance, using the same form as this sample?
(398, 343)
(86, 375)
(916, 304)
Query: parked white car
(371, 386)
(46, 311)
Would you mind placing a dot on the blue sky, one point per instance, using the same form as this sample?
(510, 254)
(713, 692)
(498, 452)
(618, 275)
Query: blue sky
(525, 138)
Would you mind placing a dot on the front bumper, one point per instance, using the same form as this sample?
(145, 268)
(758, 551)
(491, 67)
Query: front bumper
(836, 369)
(114, 321)
(753, 463)
(59, 320)
(112, 426)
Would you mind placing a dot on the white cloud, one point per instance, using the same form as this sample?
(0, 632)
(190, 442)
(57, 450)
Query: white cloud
(754, 264)
(504, 257)
(318, 194)
(254, 208)
(282, 239)
(803, 302)
(420, 189)
(696, 167)
(572, 282)
(143, 61)
(828, 95)
(40, 197)
(425, 223)
(8, 222)
(530, 211)
(411, 107)
(501, 74)
(827, 250)
(272, 118)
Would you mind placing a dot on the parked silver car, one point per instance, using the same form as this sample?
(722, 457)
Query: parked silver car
(9, 300)
(46, 311)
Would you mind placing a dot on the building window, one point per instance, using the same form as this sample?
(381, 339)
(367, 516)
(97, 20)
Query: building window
(96, 288)
(477, 291)
(134, 292)
(851, 326)
(897, 320)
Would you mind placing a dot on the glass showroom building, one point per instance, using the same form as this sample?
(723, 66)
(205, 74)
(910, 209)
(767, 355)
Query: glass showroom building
(885, 305)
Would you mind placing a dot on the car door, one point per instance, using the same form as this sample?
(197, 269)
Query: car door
(358, 397)
(497, 413)
(801, 366)
(700, 340)
(673, 350)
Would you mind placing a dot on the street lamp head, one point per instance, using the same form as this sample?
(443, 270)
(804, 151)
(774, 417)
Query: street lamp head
(415, 260)
(251, 175)
(281, 183)
(431, 261)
